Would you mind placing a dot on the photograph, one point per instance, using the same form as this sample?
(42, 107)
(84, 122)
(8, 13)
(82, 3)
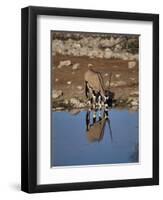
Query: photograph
(90, 99)
(94, 98)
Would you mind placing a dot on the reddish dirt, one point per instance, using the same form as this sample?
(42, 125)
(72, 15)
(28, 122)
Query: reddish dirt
(118, 68)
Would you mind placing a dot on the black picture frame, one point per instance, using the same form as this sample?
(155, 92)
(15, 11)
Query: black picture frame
(29, 98)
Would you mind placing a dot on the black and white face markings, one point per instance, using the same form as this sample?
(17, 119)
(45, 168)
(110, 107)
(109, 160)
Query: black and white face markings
(97, 100)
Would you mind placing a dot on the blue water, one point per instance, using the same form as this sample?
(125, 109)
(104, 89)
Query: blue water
(75, 144)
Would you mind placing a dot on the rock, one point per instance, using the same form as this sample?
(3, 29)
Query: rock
(77, 46)
(136, 57)
(56, 80)
(133, 108)
(124, 56)
(74, 111)
(108, 53)
(117, 48)
(117, 75)
(59, 108)
(56, 94)
(69, 82)
(93, 47)
(134, 93)
(106, 74)
(64, 63)
(79, 87)
(75, 66)
(134, 103)
(90, 65)
(121, 83)
(66, 101)
(76, 103)
(131, 64)
(104, 43)
(94, 53)
(81, 105)
(118, 83)
(132, 79)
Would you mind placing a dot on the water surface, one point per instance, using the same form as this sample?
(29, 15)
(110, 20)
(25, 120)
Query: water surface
(78, 140)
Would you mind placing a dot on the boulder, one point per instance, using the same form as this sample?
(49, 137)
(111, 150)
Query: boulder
(79, 87)
(74, 111)
(108, 53)
(117, 75)
(90, 65)
(69, 82)
(76, 103)
(66, 102)
(64, 63)
(131, 64)
(75, 66)
(117, 48)
(118, 83)
(93, 46)
(133, 101)
(56, 94)
(134, 93)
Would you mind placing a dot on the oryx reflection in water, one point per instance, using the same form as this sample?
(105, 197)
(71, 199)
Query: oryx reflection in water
(93, 137)
(95, 125)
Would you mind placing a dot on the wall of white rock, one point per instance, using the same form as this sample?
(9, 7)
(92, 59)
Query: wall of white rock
(96, 47)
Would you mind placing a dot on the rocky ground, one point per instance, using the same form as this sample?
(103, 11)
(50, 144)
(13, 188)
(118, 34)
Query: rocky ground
(70, 60)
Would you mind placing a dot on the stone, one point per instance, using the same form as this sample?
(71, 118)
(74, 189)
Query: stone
(133, 108)
(77, 46)
(79, 87)
(134, 103)
(75, 66)
(106, 74)
(117, 75)
(66, 101)
(74, 111)
(69, 82)
(59, 108)
(117, 48)
(108, 53)
(56, 80)
(90, 65)
(118, 83)
(56, 94)
(132, 79)
(131, 64)
(64, 63)
(93, 47)
(121, 83)
(76, 103)
(134, 93)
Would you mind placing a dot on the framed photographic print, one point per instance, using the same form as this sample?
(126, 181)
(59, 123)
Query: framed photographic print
(90, 99)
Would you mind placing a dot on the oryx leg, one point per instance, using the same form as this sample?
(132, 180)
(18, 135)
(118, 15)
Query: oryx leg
(86, 89)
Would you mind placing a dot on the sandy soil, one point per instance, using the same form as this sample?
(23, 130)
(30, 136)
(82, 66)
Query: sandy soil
(124, 81)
